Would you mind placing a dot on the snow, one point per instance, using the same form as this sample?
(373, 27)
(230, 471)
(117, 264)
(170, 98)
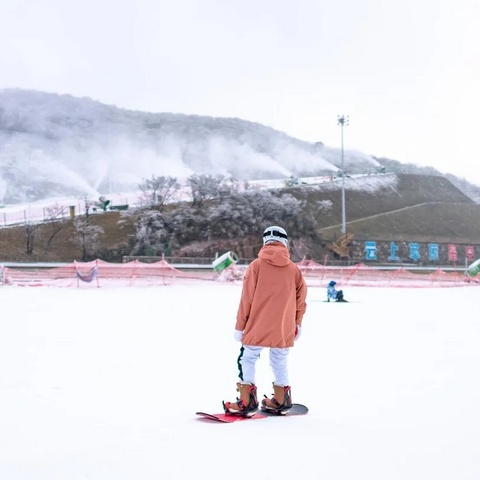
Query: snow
(59, 207)
(104, 383)
(80, 145)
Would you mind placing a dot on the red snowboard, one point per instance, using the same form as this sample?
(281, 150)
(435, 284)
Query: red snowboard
(297, 409)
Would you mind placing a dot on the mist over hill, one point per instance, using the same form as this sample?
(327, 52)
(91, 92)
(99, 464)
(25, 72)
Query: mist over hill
(62, 145)
(58, 145)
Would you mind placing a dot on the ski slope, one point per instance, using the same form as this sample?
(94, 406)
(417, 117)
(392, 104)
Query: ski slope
(104, 383)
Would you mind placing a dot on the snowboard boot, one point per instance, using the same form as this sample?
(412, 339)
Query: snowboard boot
(281, 400)
(246, 405)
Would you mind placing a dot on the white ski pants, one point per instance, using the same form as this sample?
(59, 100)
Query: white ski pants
(278, 362)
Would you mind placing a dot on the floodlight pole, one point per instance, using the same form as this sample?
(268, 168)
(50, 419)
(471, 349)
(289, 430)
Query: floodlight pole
(343, 122)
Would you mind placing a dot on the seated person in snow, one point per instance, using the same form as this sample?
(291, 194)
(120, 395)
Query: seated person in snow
(333, 294)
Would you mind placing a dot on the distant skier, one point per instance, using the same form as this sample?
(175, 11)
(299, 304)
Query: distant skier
(333, 294)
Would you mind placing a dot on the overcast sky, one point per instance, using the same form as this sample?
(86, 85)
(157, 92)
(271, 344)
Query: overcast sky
(406, 72)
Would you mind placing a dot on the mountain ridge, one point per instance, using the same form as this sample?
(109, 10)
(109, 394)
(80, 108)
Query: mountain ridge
(61, 144)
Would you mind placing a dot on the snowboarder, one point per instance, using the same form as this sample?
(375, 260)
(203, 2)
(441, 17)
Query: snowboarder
(269, 315)
(333, 294)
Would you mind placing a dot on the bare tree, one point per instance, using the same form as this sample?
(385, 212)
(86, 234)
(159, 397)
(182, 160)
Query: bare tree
(30, 231)
(87, 236)
(230, 186)
(204, 187)
(55, 216)
(149, 233)
(158, 190)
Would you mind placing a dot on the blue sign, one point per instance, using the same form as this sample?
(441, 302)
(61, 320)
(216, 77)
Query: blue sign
(393, 252)
(414, 251)
(433, 252)
(370, 250)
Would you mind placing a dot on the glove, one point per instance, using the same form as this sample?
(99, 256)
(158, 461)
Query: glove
(298, 331)
(238, 335)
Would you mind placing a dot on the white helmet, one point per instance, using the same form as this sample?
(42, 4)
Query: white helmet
(275, 234)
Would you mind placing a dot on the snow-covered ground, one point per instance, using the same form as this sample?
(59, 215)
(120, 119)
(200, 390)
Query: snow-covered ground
(57, 208)
(104, 383)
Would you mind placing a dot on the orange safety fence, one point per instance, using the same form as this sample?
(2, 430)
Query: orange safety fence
(99, 273)
(135, 273)
(362, 275)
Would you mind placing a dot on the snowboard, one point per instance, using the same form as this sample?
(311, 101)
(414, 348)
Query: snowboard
(297, 409)
(331, 301)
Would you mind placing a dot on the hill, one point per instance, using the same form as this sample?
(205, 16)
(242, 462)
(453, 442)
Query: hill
(60, 145)
(382, 206)
(422, 208)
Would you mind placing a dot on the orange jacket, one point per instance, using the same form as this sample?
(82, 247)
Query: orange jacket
(273, 299)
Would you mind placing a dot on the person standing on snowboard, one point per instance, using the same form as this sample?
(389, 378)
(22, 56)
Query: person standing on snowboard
(269, 315)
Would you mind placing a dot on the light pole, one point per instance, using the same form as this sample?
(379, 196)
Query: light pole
(343, 122)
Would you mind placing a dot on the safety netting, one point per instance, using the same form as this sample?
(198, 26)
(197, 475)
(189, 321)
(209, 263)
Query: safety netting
(98, 273)
(101, 274)
(388, 276)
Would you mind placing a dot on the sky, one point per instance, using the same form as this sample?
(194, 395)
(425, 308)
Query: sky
(103, 384)
(406, 73)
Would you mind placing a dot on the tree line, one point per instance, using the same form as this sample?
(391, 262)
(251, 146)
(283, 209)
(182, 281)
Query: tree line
(218, 207)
